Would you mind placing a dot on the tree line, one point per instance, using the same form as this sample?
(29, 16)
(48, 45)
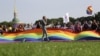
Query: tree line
(96, 16)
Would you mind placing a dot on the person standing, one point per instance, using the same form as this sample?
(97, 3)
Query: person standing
(98, 28)
(85, 26)
(43, 23)
(94, 25)
(1, 30)
(77, 27)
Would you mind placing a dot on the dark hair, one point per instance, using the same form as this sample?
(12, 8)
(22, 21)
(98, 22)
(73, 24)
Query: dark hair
(44, 17)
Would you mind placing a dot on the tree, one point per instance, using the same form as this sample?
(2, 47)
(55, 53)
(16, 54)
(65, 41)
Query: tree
(72, 19)
(97, 16)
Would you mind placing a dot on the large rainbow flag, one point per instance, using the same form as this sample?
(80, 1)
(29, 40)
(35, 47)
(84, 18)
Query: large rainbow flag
(53, 34)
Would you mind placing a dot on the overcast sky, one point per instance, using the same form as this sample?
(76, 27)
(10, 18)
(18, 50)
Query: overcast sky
(31, 10)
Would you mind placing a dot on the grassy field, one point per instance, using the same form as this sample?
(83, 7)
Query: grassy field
(50, 49)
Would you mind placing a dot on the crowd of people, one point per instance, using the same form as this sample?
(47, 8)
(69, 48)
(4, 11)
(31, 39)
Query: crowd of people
(85, 26)
(79, 26)
(15, 28)
(74, 27)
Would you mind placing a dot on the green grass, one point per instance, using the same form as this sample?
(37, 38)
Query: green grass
(51, 49)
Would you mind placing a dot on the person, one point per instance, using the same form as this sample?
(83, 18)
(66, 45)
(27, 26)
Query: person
(15, 27)
(10, 28)
(98, 28)
(42, 24)
(90, 24)
(58, 26)
(77, 27)
(20, 28)
(85, 26)
(71, 27)
(94, 25)
(1, 30)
